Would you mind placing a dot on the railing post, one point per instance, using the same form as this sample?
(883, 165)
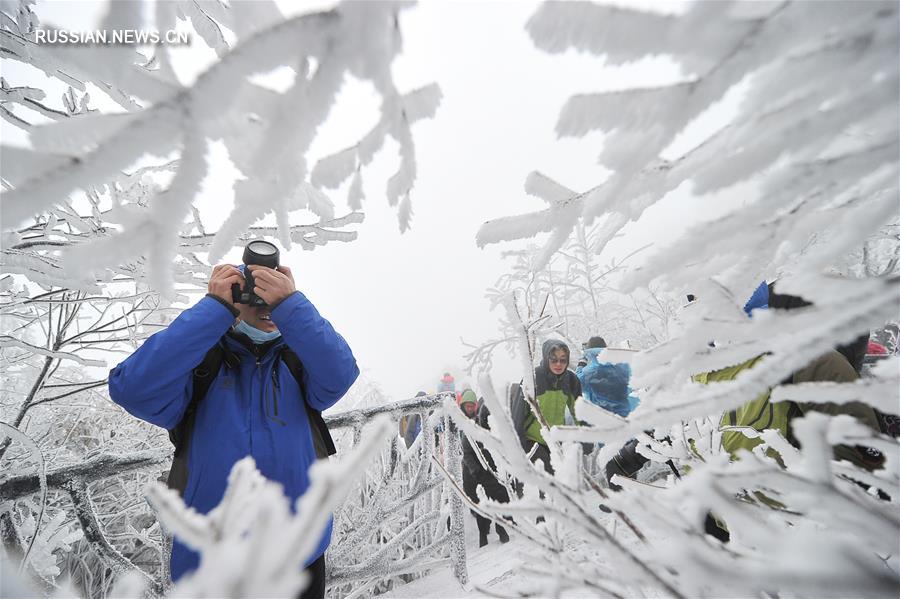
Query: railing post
(453, 463)
(428, 443)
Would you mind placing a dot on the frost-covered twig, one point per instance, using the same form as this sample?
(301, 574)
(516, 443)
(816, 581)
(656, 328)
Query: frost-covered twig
(86, 149)
(93, 532)
(7, 341)
(15, 435)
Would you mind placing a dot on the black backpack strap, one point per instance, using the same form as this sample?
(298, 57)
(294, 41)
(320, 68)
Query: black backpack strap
(203, 376)
(521, 415)
(322, 441)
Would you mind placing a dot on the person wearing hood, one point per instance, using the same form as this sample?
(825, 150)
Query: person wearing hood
(556, 388)
(264, 401)
(474, 471)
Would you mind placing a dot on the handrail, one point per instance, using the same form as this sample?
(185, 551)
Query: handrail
(395, 409)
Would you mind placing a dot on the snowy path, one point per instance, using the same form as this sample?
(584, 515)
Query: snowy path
(492, 567)
(496, 569)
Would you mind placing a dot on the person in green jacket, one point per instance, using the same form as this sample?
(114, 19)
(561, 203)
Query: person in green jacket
(760, 413)
(556, 388)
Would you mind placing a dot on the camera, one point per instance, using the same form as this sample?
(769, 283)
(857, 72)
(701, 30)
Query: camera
(257, 252)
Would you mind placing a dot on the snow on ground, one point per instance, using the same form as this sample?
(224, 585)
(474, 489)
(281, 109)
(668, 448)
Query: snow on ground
(496, 569)
(492, 568)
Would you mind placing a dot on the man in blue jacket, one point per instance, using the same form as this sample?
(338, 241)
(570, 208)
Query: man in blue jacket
(254, 408)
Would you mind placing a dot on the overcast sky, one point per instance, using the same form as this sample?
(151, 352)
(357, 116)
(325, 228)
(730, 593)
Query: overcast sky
(403, 302)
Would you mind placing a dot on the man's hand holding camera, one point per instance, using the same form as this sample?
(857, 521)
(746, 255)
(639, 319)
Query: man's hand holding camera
(272, 285)
(222, 278)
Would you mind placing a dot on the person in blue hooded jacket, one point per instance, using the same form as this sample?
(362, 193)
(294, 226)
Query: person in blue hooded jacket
(255, 408)
(605, 384)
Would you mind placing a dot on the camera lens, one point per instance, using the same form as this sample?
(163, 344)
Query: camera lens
(262, 248)
(262, 253)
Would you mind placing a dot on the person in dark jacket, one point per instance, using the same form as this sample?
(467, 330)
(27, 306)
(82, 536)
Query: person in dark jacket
(556, 388)
(256, 408)
(474, 472)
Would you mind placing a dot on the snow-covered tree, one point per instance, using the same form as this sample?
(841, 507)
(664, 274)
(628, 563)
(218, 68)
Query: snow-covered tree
(816, 138)
(577, 298)
(267, 134)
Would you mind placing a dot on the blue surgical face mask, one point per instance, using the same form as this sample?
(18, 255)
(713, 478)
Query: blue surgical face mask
(255, 334)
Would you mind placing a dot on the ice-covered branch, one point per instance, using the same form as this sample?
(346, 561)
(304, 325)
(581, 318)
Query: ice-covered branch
(91, 470)
(8, 341)
(86, 149)
(801, 120)
(93, 533)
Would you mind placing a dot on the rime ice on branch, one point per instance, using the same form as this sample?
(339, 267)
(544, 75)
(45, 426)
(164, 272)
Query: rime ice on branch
(267, 134)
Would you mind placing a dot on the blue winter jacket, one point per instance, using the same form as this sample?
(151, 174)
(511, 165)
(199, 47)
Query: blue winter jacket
(606, 385)
(237, 417)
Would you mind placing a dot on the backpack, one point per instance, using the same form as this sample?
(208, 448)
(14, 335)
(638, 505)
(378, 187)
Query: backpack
(519, 410)
(608, 380)
(203, 376)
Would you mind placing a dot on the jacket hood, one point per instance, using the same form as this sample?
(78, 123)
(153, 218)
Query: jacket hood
(544, 379)
(548, 347)
(592, 353)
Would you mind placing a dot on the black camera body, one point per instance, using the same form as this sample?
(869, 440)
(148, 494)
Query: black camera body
(257, 252)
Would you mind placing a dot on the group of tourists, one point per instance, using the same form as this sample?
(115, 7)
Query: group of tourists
(604, 381)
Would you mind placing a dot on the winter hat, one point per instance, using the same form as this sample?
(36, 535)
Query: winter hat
(876, 349)
(596, 341)
(421, 394)
(468, 396)
(759, 299)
